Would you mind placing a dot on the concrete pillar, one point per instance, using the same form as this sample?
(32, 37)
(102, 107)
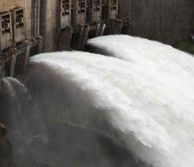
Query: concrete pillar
(13, 64)
(1, 70)
(49, 24)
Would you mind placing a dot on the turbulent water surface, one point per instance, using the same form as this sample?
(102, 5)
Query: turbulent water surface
(134, 109)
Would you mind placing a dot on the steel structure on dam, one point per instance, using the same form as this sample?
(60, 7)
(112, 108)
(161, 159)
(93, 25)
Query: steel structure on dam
(27, 26)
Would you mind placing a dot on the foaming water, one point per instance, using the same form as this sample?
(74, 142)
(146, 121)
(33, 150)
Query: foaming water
(8, 87)
(90, 110)
(66, 121)
(142, 109)
(13, 100)
(172, 74)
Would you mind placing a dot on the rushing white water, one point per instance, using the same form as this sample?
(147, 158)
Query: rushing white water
(147, 102)
(91, 110)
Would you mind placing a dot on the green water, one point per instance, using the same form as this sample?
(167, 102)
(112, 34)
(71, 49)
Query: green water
(186, 45)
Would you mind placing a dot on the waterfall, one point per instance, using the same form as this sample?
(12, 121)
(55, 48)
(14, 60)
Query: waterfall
(132, 108)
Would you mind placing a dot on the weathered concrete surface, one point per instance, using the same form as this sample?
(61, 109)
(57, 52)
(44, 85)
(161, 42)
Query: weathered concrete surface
(49, 23)
(6, 5)
(31, 15)
(168, 21)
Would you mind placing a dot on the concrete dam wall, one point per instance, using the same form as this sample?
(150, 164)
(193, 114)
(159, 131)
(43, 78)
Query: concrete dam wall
(29, 27)
(168, 21)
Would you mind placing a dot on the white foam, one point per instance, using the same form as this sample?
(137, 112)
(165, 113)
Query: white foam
(149, 100)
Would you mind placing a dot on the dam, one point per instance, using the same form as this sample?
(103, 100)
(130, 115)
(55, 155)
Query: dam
(102, 97)
(30, 27)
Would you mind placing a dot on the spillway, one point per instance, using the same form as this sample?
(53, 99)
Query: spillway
(84, 109)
